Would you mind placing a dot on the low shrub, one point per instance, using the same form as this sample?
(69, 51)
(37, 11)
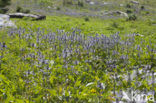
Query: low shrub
(80, 3)
(115, 25)
(58, 8)
(3, 10)
(142, 7)
(128, 6)
(129, 11)
(86, 18)
(67, 2)
(132, 17)
(26, 11)
(20, 9)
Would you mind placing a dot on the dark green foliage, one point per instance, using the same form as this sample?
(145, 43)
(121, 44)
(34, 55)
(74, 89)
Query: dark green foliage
(128, 6)
(132, 17)
(129, 11)
(3, 4)
(80, 3)
(86, 18)
(20, 9)
(142, 7)
(67, 2)
(3, 10)
(115, 25)
(58, 8)
(26, 11)
(147, 12)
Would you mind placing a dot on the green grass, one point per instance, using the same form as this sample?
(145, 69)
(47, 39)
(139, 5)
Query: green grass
(24, 77)
(54, 85)
(93, 26)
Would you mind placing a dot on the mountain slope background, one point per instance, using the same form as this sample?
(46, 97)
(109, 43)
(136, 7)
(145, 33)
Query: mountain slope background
(93, 8)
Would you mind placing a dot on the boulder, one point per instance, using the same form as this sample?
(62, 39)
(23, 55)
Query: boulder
(121, 5)
(49, 7)
(92, 3)
(135, 2)
(21, 15)
(106, 3)
(5, 21)
(120, 13)
(88, 1)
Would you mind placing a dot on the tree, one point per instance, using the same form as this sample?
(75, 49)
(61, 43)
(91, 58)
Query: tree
(3, 4)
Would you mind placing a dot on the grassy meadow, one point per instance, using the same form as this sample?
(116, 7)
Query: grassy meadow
(78, 59)
(92, 26)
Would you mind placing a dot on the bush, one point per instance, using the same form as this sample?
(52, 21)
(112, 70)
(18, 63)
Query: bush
(147, 12)
(67, 2)
(20, 9)
(128, 6)
(3, 10)
(70, 2)
(142, 7)
(115, 25)
(128, 11)
(58, 8)
(80, 3)
(132, 17)
(86, 18)
(26, 11)
(3, 4)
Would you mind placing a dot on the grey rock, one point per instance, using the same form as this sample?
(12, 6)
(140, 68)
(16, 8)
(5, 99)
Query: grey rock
(120, 13)
(88, 1)
(135, 2)
(49, 7)
(21, 15)
(5, 21)
(121, 5)
(106, 3)
(91, 3)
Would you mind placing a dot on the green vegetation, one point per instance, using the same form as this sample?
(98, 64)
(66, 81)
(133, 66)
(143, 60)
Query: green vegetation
(3, 3)
(21, 10)
(34, 60)
(93, 26)
(79, 59)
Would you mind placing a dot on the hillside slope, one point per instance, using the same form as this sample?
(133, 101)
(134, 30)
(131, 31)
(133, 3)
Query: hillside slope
(94, 8)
